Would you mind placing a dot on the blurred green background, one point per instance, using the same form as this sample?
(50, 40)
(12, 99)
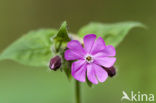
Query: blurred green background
(135, 55)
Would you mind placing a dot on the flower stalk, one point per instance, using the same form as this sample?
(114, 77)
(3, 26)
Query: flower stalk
(77, 92)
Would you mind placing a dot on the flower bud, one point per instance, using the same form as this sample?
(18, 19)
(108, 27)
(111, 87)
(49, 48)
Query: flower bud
(55, 63)
(111, 71)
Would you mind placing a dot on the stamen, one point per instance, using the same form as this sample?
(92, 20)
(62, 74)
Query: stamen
(89, 58)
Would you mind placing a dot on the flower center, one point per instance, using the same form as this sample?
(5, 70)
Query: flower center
(89, 58)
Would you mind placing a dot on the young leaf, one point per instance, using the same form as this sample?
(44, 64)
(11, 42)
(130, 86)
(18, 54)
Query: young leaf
(113, 34)
(32, 49)
(61, 37)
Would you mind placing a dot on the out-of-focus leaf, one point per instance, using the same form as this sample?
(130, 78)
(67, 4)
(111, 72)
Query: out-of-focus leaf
(34, 48)
(113, 34)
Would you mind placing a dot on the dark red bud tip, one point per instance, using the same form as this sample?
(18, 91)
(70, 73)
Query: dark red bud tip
(111, 71)
(55, 63)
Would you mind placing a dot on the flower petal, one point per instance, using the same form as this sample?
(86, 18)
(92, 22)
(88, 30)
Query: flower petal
(101, 74)
(88, 42)
(91, 74)
(109, 51)
(71, 55)
(105, 61)
(99, 45)
(77, 65)
(79, 71)
(75, 46)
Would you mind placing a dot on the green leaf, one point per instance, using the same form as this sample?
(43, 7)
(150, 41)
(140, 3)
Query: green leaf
(34, 48)
(62, 35)
(112, 34)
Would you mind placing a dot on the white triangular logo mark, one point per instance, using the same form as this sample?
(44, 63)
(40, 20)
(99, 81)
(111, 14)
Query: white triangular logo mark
(125, 96)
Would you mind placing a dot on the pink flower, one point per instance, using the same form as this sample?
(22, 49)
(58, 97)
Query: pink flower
(91, 59)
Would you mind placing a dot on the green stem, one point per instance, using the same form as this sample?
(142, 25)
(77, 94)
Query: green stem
(59, 46)
(77, 92)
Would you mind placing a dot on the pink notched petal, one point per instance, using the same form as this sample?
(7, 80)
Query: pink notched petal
(91, 74)
(96, 73)
(105, 61)
(89, 42)
(71, 55)
(75, 46)
(109, 51)
(98, 46)
(79, 71)
(101, 74)
(77, 65)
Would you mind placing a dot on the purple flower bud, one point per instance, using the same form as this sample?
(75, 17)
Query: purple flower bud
(111, 71)
(55, 63)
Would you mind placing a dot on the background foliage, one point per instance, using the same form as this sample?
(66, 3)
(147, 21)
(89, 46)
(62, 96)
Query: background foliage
(136, 54)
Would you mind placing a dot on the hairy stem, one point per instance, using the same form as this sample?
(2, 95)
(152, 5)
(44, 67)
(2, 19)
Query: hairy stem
(77, 92)
(59, 46)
